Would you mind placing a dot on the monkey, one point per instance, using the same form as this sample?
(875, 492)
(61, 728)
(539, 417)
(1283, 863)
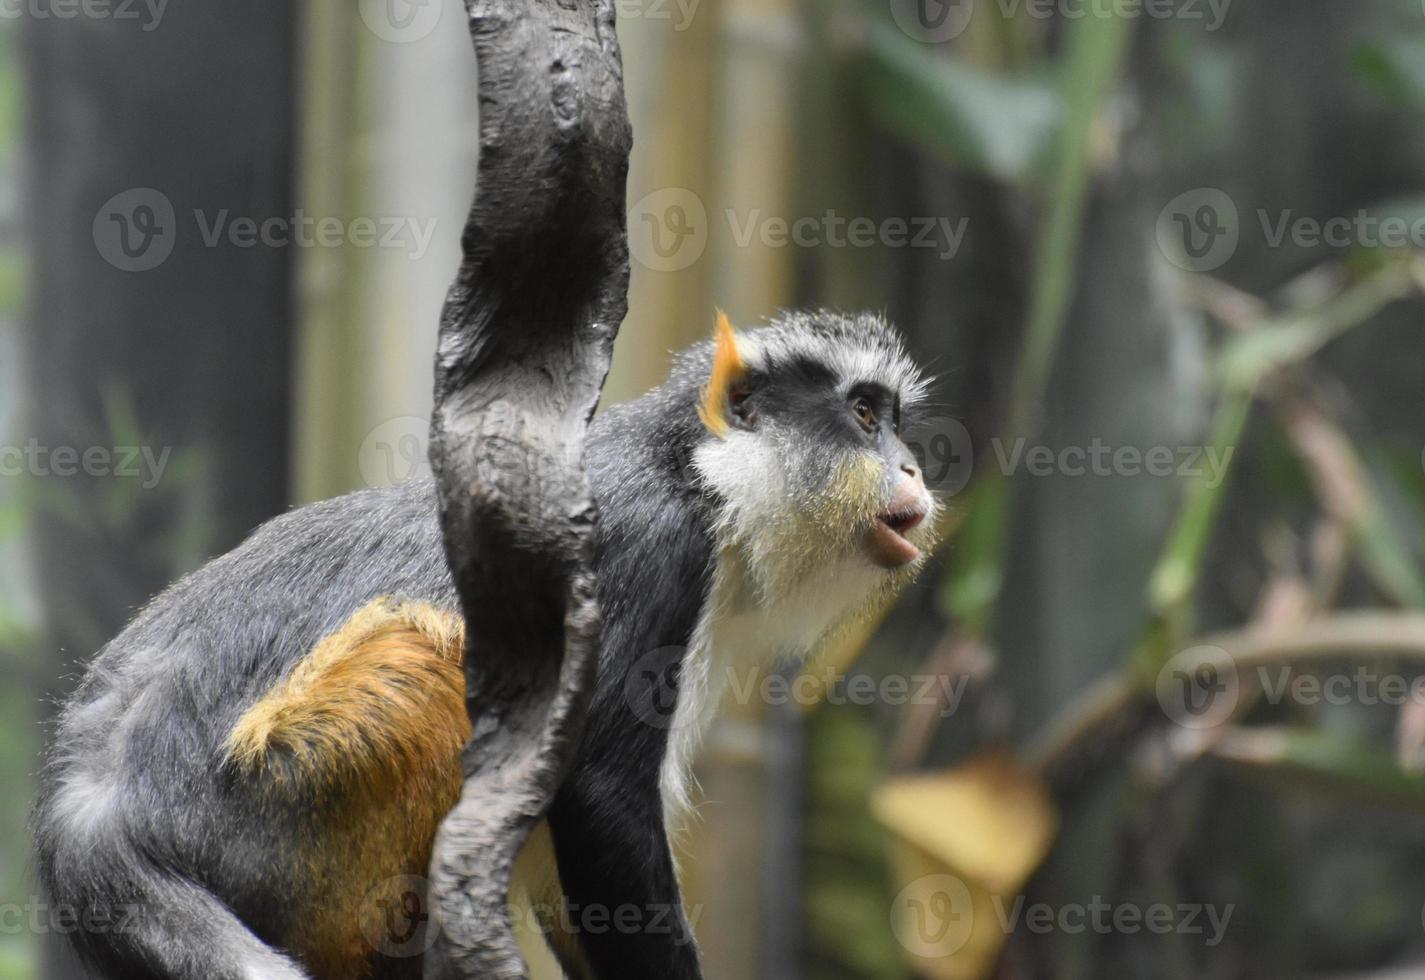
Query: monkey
(249, 777)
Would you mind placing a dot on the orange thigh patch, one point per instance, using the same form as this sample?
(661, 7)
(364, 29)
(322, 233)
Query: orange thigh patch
(370, 724)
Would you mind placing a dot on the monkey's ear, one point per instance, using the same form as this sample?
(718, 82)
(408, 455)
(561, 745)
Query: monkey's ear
(728, 370)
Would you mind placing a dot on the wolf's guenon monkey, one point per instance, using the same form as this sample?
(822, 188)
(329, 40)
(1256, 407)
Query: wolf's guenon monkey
(253, 771)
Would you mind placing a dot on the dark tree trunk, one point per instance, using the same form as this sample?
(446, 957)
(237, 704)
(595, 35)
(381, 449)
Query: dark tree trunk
(525, 343)
(190, 356)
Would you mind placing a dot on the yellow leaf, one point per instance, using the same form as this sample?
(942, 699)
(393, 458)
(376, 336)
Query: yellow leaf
(964, 842)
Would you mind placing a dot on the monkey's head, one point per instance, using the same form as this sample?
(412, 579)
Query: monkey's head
(804, 455)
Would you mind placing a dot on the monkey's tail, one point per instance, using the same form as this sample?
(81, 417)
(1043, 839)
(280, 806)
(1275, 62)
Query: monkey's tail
(132, 919)
(188, 934)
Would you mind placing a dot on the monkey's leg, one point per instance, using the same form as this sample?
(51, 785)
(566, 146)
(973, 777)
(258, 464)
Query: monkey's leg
(157, 926)
(616, 866)
(371, 725)
(359, 747)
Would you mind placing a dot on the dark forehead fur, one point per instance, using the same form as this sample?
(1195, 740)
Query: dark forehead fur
(853, 347)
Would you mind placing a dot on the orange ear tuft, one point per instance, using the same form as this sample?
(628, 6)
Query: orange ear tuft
(728, 368)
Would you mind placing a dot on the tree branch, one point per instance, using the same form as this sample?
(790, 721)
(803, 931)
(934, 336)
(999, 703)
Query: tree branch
(525, 343)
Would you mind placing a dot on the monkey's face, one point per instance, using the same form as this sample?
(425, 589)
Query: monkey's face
(805, 456)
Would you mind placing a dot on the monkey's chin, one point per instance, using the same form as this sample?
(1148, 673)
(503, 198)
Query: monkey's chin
(886, 543)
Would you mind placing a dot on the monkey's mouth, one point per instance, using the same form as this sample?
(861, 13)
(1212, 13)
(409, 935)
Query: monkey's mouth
(887, 544)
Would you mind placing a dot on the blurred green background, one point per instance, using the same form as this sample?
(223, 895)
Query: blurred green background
(1165, 258)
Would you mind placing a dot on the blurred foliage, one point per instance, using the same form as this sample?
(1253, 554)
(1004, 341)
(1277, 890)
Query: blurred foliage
(1004, 127)
(1314, 521)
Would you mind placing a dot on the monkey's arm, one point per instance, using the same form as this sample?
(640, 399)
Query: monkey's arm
(621, 888)
(607, 820)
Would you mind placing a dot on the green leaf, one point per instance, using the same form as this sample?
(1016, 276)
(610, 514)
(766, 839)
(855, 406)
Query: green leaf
(11, 92)
(1291, 339)
(1393, 68)
(847, 887)
(1173, 581)
(14, 279)
(17, 958)
(1096, 49)
(985, 123)
(1382, 538)
(976, 561)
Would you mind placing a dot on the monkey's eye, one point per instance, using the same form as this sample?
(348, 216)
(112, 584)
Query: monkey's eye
(864, 413)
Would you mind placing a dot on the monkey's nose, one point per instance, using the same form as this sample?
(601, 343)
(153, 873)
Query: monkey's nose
(908, 496)
(911, 487)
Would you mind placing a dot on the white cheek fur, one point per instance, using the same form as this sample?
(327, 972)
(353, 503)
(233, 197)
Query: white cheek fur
(781, 585)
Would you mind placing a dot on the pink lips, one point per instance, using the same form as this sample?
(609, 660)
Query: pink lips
(886, 542)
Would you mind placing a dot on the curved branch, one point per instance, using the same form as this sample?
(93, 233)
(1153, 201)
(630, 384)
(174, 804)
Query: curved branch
(1116, 707)
(525, 343)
